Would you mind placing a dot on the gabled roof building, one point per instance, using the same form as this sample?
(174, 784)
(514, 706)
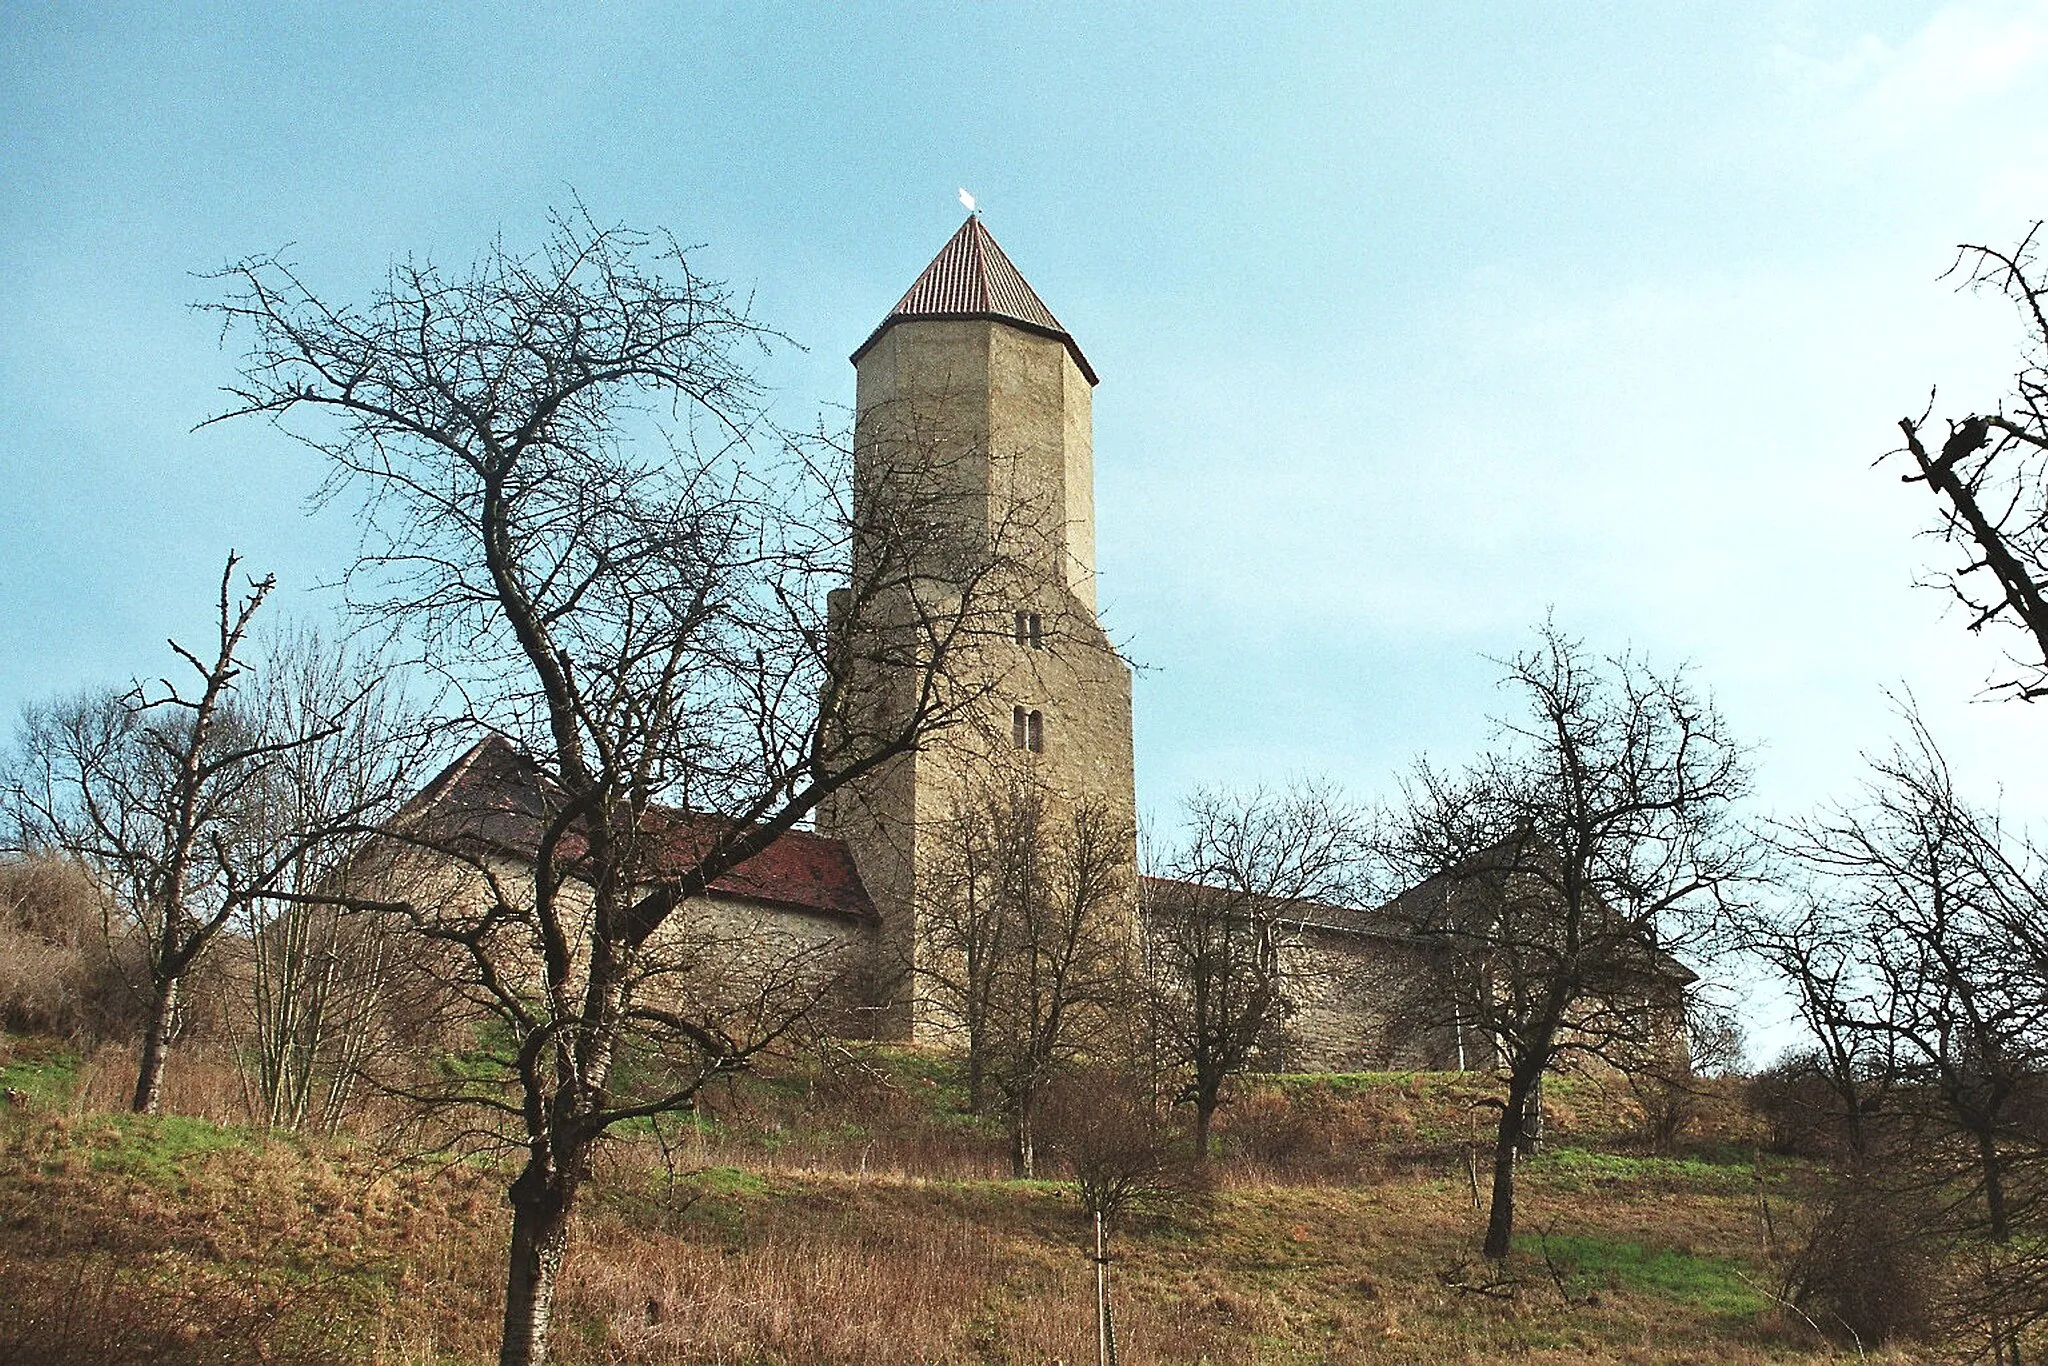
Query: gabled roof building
(973, 363)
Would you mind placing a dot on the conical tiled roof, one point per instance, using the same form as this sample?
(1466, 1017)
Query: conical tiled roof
(971, 278)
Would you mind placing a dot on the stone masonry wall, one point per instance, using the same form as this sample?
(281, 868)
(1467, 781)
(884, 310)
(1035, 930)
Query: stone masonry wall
(1002, 416)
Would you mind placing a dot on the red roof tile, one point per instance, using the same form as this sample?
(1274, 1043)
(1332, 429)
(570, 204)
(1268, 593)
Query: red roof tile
(972, 278)
(804, 870)
(493, 796)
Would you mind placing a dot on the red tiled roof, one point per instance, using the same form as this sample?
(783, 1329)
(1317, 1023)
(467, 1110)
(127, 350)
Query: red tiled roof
(972, 278)
(800, 869)
(493, 796)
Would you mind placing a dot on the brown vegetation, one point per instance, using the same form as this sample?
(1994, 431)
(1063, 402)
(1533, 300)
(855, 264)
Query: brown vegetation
(843, 1212)
(60, 972)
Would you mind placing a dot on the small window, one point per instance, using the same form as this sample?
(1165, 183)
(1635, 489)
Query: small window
(1030, 630)
(1027, 729)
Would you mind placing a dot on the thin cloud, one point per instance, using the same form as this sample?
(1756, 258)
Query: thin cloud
(1964, 55)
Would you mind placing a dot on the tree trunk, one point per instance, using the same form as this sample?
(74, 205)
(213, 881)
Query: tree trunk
(1205, 1110)
(1529, 1141)
(541, 1199)
(1852, 1118)
(1994, 1187)
(1500, 1219)
(156, 1046)
(1023, 1157)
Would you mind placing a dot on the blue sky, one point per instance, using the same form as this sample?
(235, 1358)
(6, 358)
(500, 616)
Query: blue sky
(1413, 321)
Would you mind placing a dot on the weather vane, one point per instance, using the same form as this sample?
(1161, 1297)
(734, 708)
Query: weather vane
(968, 200)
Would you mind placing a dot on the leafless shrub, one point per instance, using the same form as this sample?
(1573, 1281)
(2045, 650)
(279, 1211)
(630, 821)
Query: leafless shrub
(1866, 1265)
(1670, 1101)
(1308, 1134)
(1674, 1087)
(1802, 1113)
(1996, 1302)
(1126, 1155)
(97, 1310)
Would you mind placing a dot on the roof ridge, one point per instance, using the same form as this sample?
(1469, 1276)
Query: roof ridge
(800, 869)
(453, 773)
(972, 277)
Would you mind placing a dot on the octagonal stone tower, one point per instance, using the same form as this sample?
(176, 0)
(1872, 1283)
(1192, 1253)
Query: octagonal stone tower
(974, 404)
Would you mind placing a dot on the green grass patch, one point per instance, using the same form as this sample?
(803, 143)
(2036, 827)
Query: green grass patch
(1416, 1085)
(47, 1075)
(711, 1198)
(914, 1064)
(1008, 1186)
(1435, 1110)
(936, 1080)
(1582, 1169)
(838, 1131)
(159, 1149)
(1588, 1264)
(729, 1181)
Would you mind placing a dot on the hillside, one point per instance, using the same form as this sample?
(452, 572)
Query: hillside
(846, 1213)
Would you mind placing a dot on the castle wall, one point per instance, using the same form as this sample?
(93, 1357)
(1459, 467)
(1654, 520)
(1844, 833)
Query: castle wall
(711, 951)
(1342, 989)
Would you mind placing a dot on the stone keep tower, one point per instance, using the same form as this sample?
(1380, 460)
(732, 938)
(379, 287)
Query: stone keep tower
(972, 399)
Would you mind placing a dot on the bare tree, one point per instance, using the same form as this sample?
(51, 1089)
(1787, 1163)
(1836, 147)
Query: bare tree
(1126, 1157)
(162, 793)
(1219, 925)
(1939, 899)
(1990, 473)
(1916, 959)
(319, 977)
(1552, 878)
(577, 515)
(1814, 952)
(968, 927)
(1029, 943)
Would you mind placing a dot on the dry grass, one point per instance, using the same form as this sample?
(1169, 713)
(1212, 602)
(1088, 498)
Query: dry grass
(202, 1082)
(761, 1238)
(877, 1275)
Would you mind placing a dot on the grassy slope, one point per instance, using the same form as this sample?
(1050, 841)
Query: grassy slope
(1342, 1231)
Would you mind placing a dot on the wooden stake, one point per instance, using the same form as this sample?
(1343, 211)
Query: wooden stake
(1472, 1154)
(1101, 1297)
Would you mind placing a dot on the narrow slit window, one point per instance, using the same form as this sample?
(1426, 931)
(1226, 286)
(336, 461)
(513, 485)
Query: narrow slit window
(1020, 727)
(1036, 632)
(1030, 630)
(1034, 732)
(1023, 628)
